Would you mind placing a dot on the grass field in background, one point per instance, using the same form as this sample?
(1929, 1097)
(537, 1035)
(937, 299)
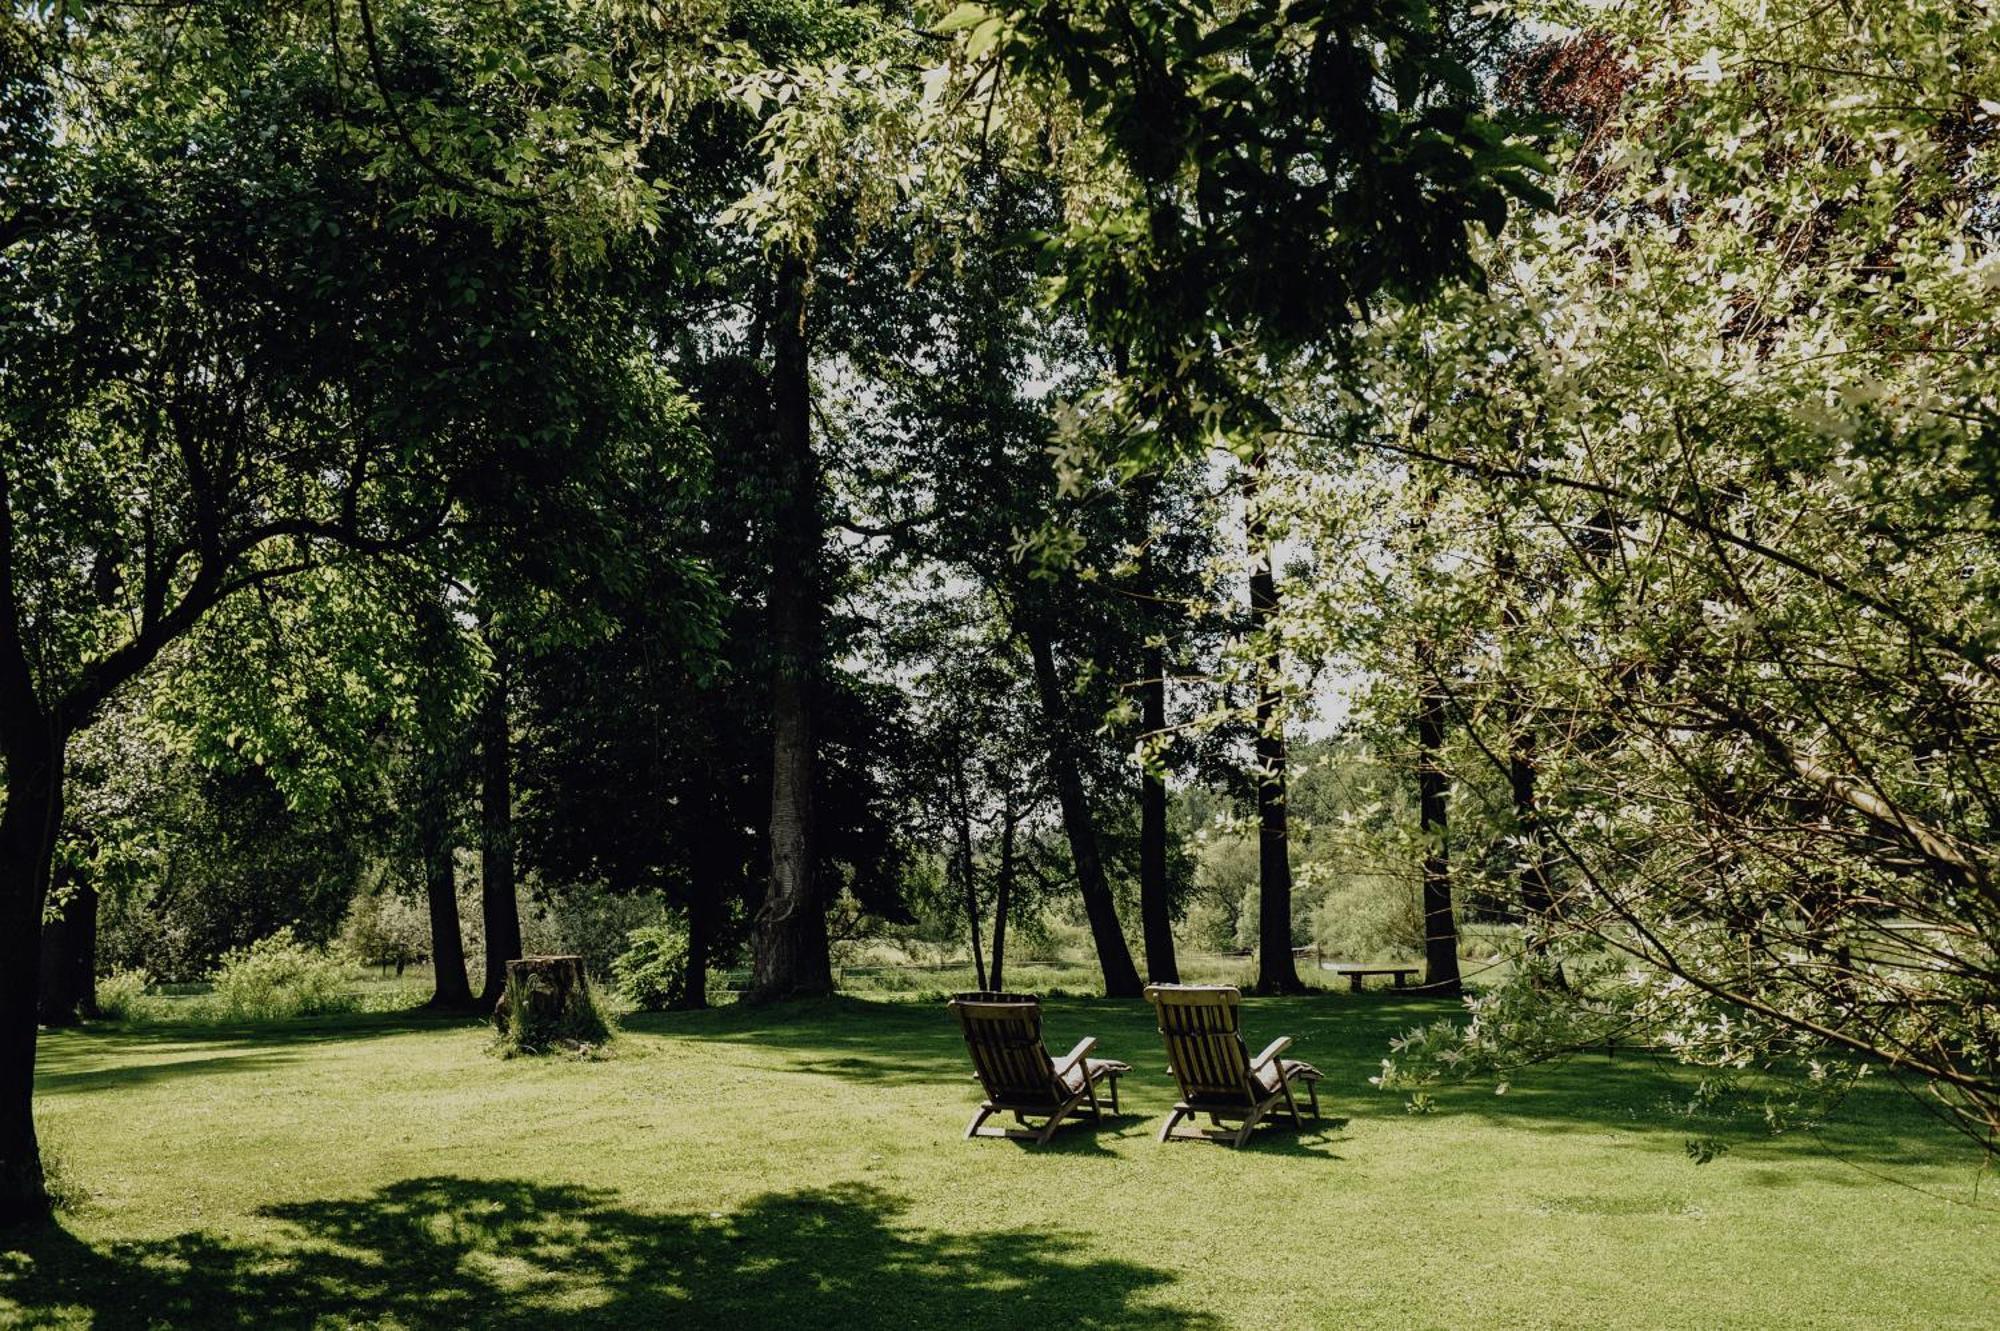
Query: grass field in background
(803, 1166)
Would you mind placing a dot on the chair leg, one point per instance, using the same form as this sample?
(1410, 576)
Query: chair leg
(1090, 1092)
(1243, 1133)
(1312, 1089)
(972, 1128)
(1167, 1128)
(1055, 1121)
(1292, 1105)
(1113, 1079)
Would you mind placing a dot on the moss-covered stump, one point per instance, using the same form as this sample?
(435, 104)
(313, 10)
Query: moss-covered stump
(549, 1005)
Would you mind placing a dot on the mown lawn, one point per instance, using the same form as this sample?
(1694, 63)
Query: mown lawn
(803, 1167)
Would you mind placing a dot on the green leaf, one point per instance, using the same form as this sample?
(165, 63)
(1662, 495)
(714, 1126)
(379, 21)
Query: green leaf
(965, 16)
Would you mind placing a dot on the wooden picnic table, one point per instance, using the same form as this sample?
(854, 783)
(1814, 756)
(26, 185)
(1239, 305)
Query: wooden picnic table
(1355, 974)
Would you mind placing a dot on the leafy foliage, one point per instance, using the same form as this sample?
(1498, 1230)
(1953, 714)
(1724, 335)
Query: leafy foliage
(277, 978)
(651, 972)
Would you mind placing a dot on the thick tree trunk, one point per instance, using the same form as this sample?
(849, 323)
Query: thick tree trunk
(1121, 977)
(791, 950)
(499, 902)
(1003, 896)
(962, 817)
(28, 824)
(1156, 920)
(1440, 928)
(1277, 972)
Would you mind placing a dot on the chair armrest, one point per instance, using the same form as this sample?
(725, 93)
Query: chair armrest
(1076, 1055)
(1271, 1051)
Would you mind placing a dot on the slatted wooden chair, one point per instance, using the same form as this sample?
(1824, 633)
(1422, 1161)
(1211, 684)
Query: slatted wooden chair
(1203, 1028)
(1003, 1033)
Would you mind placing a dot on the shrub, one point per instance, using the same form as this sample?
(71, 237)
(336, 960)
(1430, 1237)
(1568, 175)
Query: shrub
(386, 929)
(589, 923)
(278, 977)
(652, 971)
(1370, 917)
(121, 996)
(66, 1192)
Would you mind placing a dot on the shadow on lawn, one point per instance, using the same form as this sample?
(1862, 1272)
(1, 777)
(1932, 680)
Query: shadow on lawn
(71, 1060)
(453, 1252)
(916, 1044)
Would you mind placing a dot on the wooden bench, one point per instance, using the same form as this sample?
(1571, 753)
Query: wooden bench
(1355, 974)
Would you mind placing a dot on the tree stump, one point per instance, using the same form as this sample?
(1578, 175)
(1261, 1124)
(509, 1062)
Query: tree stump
(548, 1002)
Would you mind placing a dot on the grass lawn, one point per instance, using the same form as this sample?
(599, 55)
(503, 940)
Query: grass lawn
(804, 1168)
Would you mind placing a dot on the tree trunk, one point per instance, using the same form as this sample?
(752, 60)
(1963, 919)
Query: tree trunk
(28, 823)
(452, 990)
(1277, 973)
(1537, 896)
(1121, 977)
(962, 817)
(499, 902)
(1156, 920)
(1440, 928)
(694, 992)
(69, 959)
(1003, 895)
(1532, 876)
(791, 950)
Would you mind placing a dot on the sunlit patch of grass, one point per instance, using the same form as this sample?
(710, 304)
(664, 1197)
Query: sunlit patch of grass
(804, 1165)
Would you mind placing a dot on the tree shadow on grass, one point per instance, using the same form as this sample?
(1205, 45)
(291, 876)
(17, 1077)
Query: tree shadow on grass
(1346, 1036)
(81, 1058)
(456, 1252)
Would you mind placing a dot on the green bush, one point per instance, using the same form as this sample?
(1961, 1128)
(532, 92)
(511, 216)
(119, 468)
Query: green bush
(652, 970)
(1370, 917)
(65, 1190)
(122, 996)
(278, 977)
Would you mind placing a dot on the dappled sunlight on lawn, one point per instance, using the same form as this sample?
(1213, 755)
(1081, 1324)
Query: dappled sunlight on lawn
(449, 1251)
(803, 1166)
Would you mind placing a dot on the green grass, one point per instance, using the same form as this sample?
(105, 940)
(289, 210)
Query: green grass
(803, 1167)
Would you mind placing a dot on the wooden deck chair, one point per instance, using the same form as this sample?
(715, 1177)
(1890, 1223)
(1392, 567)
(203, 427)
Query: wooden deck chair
(1003, 1032)
(1203, 1028)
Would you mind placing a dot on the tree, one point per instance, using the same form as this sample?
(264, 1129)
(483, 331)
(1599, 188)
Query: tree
(791, 943)
(1746, 447)
(215, 353)
(1276, 972)
(499, 899)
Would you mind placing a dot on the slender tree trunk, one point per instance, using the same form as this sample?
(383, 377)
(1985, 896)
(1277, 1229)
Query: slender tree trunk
(499, 902)
(1277, 972)
(1156, 920)
(1121, 977)
(437, 849)
(792, 956)
(1440, 928)
(28, 823)
(694, 993)
(962, 817)
(1003, 895)
(1532, 876)
(69, 958)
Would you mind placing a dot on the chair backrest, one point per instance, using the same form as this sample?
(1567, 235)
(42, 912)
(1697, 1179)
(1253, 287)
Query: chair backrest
(1003, 1033)
(1203, 1027)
